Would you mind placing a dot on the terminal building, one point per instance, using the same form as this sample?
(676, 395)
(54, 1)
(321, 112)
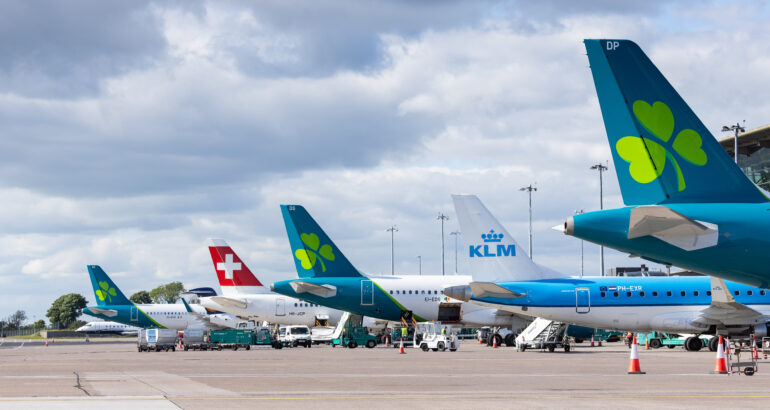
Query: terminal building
(753, 154)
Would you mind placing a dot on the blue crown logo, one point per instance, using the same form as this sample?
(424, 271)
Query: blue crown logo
(492, 236)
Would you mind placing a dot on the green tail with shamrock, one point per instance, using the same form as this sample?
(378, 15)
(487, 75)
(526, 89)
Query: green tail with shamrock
(662, 152)
(313, 252)
(104, 288)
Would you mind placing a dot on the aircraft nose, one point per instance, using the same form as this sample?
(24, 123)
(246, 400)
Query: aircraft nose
(462, 292)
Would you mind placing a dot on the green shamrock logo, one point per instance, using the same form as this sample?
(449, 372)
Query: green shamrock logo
(647, 157)
(106, 291)
(308, 257)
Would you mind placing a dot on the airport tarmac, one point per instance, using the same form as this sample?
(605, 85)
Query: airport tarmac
(73, 374)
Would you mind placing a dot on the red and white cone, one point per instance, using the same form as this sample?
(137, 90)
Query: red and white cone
(592, 341)
(600, 343)
(494, 342)
(480, 342)
(721, 365)
(46, 343)
(633, 364)
(387, 341)
(401, 348)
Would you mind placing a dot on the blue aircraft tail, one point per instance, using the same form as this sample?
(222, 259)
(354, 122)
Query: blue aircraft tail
(314, 253)
(662, 152)
(107, 294)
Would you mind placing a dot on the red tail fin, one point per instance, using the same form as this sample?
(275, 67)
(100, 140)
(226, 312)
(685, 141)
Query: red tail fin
(231, 271)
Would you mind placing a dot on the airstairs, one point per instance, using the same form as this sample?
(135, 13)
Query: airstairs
(543, 334)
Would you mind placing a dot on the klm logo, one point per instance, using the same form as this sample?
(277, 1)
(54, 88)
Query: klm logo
(492, 247)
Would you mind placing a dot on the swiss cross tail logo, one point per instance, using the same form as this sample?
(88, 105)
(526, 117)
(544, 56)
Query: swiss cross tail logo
(228, 266)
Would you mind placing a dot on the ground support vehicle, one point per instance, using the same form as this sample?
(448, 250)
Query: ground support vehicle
(354, 336)
(295, 335)
(544, 334)
(231, 339)
(436, 337)
(149, 340)
(672, 340)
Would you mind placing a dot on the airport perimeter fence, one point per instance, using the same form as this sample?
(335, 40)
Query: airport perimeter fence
(19, 332)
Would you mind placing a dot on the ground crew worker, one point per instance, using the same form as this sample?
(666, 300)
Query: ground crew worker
(630, 339)
(404, 332)
(443, 331)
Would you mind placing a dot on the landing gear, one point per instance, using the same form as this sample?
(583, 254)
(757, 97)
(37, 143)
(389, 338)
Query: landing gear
(714, 343)
(693, 344)
(655, 343)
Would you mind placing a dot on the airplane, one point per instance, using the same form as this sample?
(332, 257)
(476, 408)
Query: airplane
(674, 304)
(103, 327)
(687, 203)
(327, 277)
(113, 305)
(244, 295)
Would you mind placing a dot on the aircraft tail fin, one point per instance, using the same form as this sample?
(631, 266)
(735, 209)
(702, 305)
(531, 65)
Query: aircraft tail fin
(314, 252)
(107, 293)
(492, 253)
(233, 274)
(662, 152)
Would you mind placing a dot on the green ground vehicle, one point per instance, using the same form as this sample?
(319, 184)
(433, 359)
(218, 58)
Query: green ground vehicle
(354, 336)
(671, 340)
(231, 339)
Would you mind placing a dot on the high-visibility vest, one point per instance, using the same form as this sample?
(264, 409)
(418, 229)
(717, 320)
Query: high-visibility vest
(404, 332)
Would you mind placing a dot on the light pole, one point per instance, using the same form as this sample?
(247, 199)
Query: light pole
(442, 218)
(419, 263)
(601, 168)
(392, 231)
(581, 248)
(455, 233)
(737, 128)
(529, 190)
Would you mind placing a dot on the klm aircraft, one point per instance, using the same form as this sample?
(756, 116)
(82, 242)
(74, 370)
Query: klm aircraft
(687, 203)
(699, 304)
(114, 306)
(326, 277)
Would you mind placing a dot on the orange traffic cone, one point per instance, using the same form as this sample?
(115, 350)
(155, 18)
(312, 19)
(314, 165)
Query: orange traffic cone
(600, 343)
(494, 342)
(401, 348)
(721, 366)
(647, 343)
(592, 341)
(46, 343)
(633, 364)
(480, 342)
(387, 341)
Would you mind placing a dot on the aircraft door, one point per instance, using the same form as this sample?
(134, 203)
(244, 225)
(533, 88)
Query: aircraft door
(582, 300)
(367, 293)
(280, 307)
(134, 314)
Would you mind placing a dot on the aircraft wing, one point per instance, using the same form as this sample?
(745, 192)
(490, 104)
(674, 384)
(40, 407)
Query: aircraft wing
(492, 290)
(324, 291)
(725, 310)
(105, 312)
(672, 227)
(230, 302)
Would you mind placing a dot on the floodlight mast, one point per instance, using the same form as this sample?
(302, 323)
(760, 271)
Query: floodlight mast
(601, 168)
(737, 128)
(442, 218)
(392, 230)
(529, 190)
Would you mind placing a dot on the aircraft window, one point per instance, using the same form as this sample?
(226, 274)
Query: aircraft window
(416, 292)
(410, 292)
(641, 294)
(749, 292)
(628, 294)
(683, 293)
(295, 305)
(391, 292)
(615, 294)
(423, 292)
(762, 292)
(604, 294)
(695, 293)
(442, 292)
(668, 293)
(397, 292)
(654, 293)
(737, 293)
(708, 293)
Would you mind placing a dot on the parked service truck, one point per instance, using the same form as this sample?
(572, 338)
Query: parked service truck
(149, 340)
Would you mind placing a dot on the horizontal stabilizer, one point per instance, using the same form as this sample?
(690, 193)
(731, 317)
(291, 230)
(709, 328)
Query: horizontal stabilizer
(229, 302)
(324, 291)
(105, 312)
(672, 227)
(492, 290)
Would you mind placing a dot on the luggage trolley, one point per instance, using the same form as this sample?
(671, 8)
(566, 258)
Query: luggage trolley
(742, 347)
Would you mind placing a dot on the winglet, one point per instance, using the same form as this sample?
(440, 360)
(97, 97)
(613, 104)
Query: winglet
(186, 306)
(719, 291)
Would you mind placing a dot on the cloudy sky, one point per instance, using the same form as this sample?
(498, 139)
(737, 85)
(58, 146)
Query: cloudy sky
(131, 132)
